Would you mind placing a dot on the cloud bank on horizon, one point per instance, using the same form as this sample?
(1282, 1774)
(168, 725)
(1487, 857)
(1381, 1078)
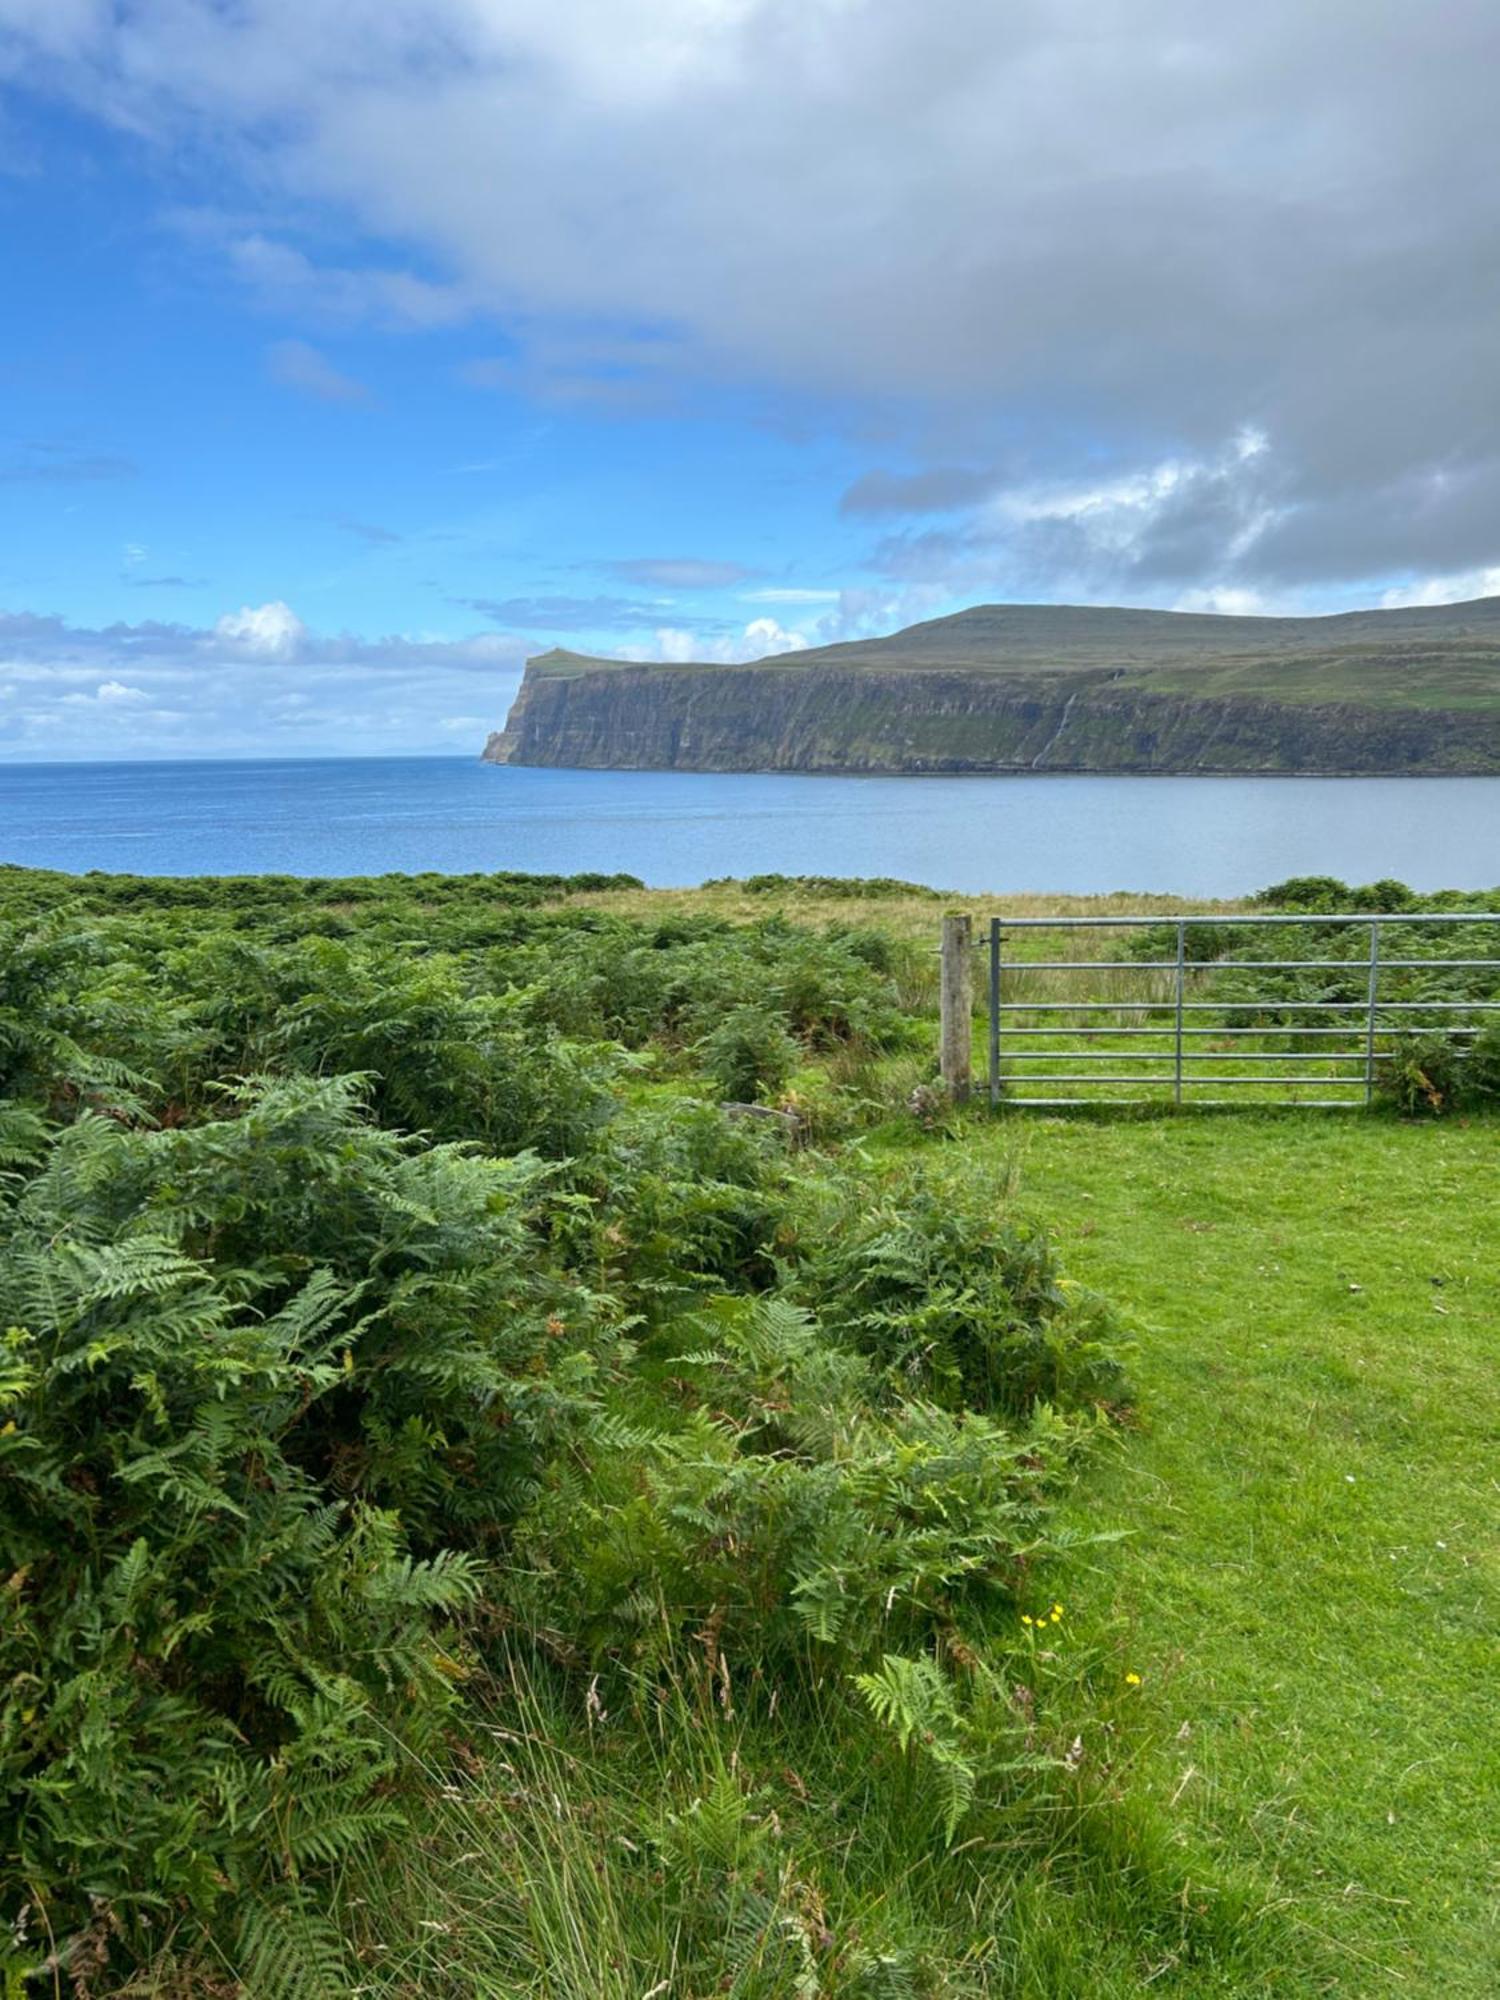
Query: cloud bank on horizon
(705, 328)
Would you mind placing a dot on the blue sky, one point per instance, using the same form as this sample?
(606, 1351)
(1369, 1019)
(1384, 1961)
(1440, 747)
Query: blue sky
(348, 353)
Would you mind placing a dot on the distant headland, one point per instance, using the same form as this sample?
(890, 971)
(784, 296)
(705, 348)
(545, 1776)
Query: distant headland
(1042, 687)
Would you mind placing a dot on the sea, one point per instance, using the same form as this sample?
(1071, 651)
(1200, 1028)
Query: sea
(1063, 834)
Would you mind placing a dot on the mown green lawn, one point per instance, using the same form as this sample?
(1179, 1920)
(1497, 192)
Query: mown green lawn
(1310, 1586)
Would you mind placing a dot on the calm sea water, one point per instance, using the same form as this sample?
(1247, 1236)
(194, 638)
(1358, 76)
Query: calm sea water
(366, 816)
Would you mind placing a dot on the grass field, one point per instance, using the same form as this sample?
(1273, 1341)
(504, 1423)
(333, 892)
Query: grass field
(1311, 1582)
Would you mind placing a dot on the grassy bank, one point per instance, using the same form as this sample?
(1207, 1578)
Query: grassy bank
(1310, 1585)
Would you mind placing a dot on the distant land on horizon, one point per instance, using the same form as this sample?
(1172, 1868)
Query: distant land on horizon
(1413, 691)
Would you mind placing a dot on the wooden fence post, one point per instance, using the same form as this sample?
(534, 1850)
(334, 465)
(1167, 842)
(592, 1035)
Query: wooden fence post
(956, 1005)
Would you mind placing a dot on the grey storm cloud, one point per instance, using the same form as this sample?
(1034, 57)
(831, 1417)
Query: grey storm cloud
(942, 489)
(1096, 240)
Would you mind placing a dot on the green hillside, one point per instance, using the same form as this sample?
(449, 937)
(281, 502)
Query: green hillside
(1412, 691)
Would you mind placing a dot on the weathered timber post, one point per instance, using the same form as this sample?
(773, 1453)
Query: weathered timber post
(956, 1005)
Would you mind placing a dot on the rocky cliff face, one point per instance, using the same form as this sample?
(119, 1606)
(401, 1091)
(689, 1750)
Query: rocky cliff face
(781, 716)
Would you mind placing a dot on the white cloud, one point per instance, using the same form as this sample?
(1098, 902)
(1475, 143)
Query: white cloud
(110, 693)
(771, 637)
(1227, 600)
(1445, 589)
(285, 277)
(788, 594)
(761, 638)
(273, 630)
(169, 689)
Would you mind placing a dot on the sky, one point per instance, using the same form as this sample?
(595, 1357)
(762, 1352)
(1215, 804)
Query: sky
(353, 350)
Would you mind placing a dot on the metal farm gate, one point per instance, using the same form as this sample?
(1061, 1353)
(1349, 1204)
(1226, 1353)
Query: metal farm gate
(1200, 1018)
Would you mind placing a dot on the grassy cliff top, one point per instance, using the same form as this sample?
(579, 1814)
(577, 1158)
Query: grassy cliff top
(1445, 655)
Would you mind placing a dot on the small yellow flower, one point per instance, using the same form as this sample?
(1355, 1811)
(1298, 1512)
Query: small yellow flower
(1057, 1611)
(1025, 1618)
(1132, 1680)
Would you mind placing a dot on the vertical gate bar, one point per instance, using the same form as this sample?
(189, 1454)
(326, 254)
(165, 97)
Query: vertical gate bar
(1370, 1017)
(1181, 966)
(994, 1012)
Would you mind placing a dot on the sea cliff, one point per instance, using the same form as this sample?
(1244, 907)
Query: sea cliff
(1360, 710)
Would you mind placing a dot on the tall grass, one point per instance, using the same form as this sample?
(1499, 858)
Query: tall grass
(678, 1841)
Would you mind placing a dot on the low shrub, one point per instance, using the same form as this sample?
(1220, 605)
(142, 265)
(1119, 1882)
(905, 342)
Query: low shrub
(1424, 1074)
(1429, 1072)
(955, 1299)
(873, 887)
(446, 1060)
(258, 1373)
(778, 1499)
(673, 1201)
(748, 1054)
(1481, 1081)
(1304, 892)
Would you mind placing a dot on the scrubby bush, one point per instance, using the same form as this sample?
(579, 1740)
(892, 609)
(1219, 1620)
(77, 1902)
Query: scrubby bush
(1313, 893)
(672, 1201)
(1481, 1081)
(836, 887)
(748, 1053)
(782, 1499)
(956, 1299)
(1429, 1072)
(258, 1373)
(1423, 1074)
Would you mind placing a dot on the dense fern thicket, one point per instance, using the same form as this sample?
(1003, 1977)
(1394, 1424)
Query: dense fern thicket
(386, 1295)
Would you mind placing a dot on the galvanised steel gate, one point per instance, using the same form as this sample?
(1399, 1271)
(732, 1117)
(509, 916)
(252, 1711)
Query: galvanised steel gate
(1184, 1038)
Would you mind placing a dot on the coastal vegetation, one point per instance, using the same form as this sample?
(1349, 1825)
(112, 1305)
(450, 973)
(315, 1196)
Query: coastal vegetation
(485, 1510)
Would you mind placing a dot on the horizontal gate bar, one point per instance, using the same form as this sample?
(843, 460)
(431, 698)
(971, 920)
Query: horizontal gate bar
(1074, 1076)
(1147, 923)
(1201, 1056)
(1021, 965)
(1221, 1032)
(1264, 1003)
(1199, 1104)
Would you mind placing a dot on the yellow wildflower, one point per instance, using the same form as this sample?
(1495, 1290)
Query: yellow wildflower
(1132, 1680)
